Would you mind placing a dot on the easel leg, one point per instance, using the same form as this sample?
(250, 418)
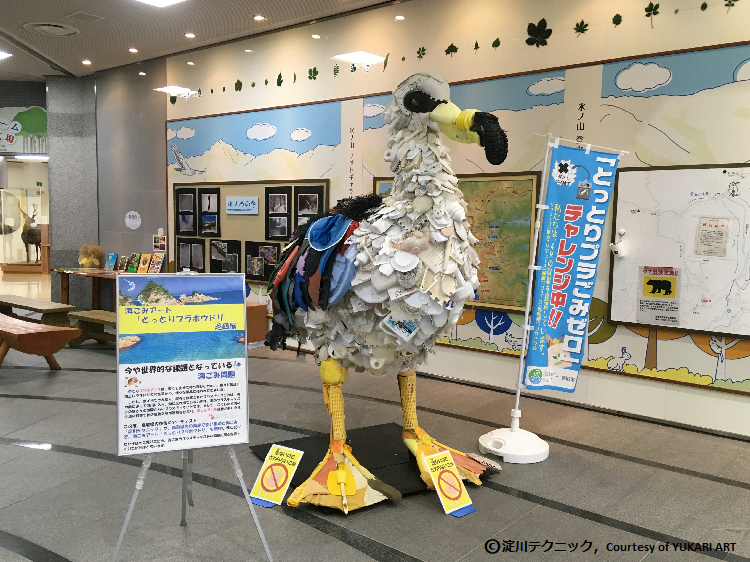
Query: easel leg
(138, 486)
(238, 472)
(187, 484)
(190, 479)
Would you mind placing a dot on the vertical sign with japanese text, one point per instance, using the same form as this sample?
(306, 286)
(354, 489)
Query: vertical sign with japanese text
(181, 362)
(578, 192)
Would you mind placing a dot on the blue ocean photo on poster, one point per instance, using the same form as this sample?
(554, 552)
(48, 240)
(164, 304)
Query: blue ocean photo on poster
(168, 318)
(184, 346)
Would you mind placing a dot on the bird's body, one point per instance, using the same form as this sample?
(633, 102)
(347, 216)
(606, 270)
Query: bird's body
(374, 291)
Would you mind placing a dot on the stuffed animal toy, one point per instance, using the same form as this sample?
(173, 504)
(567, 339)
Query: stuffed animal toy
(90, 255)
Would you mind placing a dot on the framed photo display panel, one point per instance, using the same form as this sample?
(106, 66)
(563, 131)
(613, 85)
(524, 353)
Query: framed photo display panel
(209, 200)
(260, 260)
(278, 217)
(186, 223)
(191, 255)
(225, 256)
(309, 201)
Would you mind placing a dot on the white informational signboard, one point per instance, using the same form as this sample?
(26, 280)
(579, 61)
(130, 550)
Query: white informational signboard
(181, 362)
(688, 227)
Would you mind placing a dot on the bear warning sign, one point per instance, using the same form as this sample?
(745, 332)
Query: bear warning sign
(659, 299)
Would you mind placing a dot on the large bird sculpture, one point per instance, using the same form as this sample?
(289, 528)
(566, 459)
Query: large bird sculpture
(375, 283)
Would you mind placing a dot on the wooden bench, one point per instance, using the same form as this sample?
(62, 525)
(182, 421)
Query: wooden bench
(53, 314)
(91, 323)
(34, 339)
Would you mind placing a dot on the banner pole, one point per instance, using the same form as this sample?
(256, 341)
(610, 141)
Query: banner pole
(514, 444)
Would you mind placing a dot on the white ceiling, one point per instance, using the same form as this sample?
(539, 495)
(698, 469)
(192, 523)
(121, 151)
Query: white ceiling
(153, 31)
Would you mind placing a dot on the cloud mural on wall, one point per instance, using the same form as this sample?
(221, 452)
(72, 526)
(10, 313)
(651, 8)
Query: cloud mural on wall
(547, 86)
(183, 133)
(300, 134)
(640, 77)
(261, 131)
(373, 109)
(742, 72)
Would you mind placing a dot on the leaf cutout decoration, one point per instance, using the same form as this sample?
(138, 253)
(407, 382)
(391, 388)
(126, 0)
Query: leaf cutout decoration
(238, 85)
(279, 80)
(617, 20)
(451, 49)
(703, 7)
(385, 62)
(653, 10)
(421, 52)
(496, 43)
(538, 34)
(312, 74)
(581, 27)
(476, 47)
(336, 70)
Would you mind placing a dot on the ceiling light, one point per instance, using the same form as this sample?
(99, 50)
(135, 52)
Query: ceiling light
(190, 35)
(133, 50)
(178, 91)
(86, 61)
(399, 18)
(160, 3)
(4, 55)
(141, 74)
(316, 36)
(360, 58)
(248, 50)
(259, 17)
(32, 157)
(191, 63)
(55, 29)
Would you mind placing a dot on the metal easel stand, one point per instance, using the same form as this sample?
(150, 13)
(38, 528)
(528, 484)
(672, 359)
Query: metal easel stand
(187, 484)
(138, 486)
(187, 496)
(513, 444)
(238, 472)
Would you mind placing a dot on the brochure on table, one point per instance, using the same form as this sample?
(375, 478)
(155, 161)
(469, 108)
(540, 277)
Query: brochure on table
(181, 362)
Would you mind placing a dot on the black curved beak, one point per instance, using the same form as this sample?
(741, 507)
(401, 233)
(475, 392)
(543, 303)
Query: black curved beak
(491, 137)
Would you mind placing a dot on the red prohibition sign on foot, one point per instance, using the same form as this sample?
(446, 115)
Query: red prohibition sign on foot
(275, 476)
(449, 486)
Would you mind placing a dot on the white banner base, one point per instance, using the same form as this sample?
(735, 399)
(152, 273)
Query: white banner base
(516, 447)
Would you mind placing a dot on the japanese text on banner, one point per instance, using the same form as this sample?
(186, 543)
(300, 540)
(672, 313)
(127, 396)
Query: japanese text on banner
(578, 194)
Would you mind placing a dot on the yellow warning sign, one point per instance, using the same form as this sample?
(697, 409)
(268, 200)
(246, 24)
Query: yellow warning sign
(445, 476)
(276, 474)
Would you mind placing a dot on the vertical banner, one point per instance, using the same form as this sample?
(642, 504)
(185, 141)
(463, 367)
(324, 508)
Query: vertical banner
(579, 188)
(181, 362)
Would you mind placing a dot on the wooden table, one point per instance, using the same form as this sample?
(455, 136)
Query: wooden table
(53, 314)
(96, 275)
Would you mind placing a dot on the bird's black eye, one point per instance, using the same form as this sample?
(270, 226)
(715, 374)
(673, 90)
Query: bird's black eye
(417, 101)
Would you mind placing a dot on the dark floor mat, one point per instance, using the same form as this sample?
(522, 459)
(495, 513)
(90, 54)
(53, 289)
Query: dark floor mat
(379, 448)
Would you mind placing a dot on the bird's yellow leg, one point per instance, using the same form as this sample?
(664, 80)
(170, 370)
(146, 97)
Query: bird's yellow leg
(421, 444)
(339, 481)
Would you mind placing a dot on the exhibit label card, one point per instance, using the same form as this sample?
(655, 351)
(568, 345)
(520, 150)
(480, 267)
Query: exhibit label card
(659, 299)
(447, 480)
(276, 474)
(181, 362)
(579, 188)
(242, 205)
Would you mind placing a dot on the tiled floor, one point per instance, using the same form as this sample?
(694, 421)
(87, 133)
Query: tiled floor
(608, 481)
